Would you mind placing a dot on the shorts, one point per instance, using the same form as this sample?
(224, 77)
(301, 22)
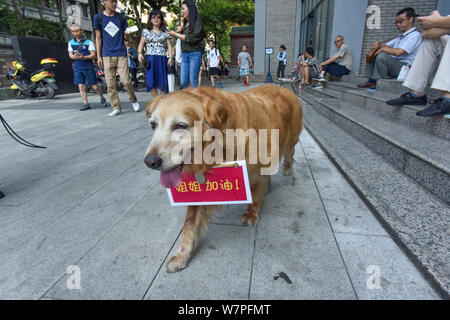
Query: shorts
(244, 72)
(214, 71)
(84, 76)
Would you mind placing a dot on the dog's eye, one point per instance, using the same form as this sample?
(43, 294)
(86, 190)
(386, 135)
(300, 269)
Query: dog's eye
(180, 126)
(154, 125)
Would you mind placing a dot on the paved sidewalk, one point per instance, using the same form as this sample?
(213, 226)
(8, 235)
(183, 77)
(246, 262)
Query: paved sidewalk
(90, 201)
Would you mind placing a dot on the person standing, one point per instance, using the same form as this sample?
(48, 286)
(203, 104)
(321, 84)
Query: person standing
(202, 72)
(110, 29)
(157, 41)
(82, 51)
(192, 43)
(214, 59)
(244, 63)
(132, 59)
(281, 62)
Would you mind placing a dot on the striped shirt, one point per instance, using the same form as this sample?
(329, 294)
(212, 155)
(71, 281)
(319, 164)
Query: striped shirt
(314, 63)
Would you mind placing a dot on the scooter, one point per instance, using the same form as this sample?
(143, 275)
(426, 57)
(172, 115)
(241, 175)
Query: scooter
(40, 82)
(101, 81)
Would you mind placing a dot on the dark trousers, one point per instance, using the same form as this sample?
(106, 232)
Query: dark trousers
(133, 72)
(335, 69)
(280, 71)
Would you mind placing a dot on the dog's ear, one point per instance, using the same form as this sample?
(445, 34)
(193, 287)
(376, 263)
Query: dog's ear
(216, 115)
(151, 106)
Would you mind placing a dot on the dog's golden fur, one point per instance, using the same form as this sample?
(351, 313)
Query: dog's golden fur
(266, 107)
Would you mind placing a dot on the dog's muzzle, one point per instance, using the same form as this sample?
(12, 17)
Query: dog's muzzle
(153, 161)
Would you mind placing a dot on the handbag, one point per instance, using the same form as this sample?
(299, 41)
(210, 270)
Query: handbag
(370, 57)
(403, 73)
(77, 50)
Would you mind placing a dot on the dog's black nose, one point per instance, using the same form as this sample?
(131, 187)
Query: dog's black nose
(153, 162)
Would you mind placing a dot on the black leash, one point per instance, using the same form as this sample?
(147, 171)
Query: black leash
(16, 137)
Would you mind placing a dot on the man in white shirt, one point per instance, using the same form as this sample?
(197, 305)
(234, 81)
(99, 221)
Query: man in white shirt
(214, 59)
(393, 55)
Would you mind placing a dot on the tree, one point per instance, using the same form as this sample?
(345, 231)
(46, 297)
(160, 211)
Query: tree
(21, 25)
(137, 8)
(220, 16)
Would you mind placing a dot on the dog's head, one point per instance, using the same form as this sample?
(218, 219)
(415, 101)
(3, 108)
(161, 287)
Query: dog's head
(178, 121)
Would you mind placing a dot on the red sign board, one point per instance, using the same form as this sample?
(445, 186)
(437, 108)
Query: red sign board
(224, 184)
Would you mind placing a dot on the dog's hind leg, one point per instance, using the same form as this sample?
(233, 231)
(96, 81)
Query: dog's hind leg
(260, 186)
(194, 227)
(289, 159)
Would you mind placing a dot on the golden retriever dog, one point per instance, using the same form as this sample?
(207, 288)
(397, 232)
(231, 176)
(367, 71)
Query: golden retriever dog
(267, 107)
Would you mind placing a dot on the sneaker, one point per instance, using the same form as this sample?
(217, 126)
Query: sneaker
(438, 107)
(221, 84)
(85, 107)
(115, 112)
(408, 98)
(319, 85)
(321, 78)
(103, 103)
(447, 116)
(136, 106)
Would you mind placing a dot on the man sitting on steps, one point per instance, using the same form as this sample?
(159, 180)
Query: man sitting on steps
(390, 57)
(338, 65)
(435, 46)
(309, 66)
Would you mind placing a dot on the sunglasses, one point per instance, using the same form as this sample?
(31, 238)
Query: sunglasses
(156, 17)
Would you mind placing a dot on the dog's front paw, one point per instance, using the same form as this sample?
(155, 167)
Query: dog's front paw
(249, 218)
(287, 171)
(177, 262)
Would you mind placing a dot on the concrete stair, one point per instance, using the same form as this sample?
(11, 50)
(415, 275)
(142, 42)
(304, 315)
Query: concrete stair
(398, 162)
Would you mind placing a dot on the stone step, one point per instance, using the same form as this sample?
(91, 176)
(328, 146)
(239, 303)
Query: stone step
(423, 157)
(415, 218)
(376, 103)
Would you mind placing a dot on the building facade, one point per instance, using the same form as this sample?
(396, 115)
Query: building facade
(300, 23)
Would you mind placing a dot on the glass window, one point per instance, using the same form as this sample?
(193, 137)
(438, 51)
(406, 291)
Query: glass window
(84, 10)
(316, 26)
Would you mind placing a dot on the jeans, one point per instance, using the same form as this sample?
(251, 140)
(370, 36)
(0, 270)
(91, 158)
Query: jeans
(133, 72)
(280, 70)
(335, 69)
(190, 68)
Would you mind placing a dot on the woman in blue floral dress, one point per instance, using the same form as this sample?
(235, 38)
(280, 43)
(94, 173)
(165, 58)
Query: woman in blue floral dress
(157, 42)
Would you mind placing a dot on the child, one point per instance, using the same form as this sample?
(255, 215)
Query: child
(82, 51)
(244, 63)
(310, 66)
(281, 62)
